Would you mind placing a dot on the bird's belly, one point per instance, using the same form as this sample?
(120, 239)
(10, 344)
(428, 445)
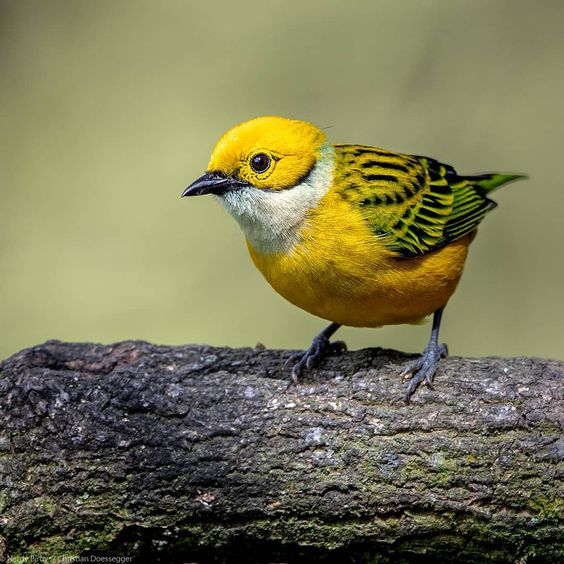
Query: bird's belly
(362, 288)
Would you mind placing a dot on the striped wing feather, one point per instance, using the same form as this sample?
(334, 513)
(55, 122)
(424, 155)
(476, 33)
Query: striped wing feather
(416, 204)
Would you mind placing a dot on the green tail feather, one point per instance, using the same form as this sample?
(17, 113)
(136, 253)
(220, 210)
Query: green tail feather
(486, 183)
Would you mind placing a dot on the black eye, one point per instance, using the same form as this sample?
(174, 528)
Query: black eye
(260, 162)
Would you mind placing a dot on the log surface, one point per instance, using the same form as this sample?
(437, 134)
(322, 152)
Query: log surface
(194, 453)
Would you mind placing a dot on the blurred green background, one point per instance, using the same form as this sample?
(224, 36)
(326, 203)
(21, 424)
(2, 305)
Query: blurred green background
(111, 107)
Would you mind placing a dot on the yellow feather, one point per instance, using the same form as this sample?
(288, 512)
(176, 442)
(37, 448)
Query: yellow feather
(341, 272)
(294, 144)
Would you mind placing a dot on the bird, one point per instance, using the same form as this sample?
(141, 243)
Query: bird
(357, 235)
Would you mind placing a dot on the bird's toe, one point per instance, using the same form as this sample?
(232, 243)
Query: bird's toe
(413, 367)
(423, 369)
(319, 349)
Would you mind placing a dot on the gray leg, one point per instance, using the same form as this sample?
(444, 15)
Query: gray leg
(319, 348)
(424, 368)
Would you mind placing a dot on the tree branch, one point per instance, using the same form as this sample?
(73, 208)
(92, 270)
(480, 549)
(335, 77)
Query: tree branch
(201, 453)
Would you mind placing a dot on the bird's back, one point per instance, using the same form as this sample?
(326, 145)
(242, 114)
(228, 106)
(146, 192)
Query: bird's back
(415, 203)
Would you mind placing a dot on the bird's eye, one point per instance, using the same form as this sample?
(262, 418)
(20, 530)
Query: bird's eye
(260, 162)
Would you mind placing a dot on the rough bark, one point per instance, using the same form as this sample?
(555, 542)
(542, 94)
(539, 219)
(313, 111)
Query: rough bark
(201, 454)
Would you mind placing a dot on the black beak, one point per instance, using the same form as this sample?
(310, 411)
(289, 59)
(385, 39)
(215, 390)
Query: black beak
(211, 183)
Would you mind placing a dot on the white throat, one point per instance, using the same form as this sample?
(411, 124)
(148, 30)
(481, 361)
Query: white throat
(271, 219)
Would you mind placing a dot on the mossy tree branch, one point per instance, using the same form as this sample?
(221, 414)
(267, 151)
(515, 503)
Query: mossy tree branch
(179, 453)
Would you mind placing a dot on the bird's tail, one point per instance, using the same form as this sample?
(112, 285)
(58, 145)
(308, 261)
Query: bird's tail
(486, 183)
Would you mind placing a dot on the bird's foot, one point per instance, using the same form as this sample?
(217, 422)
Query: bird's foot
(423, 369)
(320, 347)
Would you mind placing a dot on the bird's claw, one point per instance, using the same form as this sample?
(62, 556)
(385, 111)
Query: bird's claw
(319, 349)
(424, 368)
(417, 364)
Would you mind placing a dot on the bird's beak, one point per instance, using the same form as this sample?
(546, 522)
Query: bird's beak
(210, 183)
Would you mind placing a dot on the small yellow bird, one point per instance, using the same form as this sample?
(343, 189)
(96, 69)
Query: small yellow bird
(354, 234)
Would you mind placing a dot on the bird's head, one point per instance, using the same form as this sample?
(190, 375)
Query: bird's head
(269, 173)
(268, 153)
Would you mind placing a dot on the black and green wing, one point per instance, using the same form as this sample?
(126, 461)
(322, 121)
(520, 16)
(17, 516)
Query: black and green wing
(416, 204)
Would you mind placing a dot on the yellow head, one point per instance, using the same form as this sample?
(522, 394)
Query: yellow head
(268, 173)
(268, 152)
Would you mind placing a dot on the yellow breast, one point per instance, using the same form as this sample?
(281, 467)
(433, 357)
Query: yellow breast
(340, 271)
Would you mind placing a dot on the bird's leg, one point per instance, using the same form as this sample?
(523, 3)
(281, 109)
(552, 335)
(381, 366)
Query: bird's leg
(320, 347)
(424, 368)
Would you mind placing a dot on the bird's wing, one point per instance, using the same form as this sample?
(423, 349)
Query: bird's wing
(415, 204)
